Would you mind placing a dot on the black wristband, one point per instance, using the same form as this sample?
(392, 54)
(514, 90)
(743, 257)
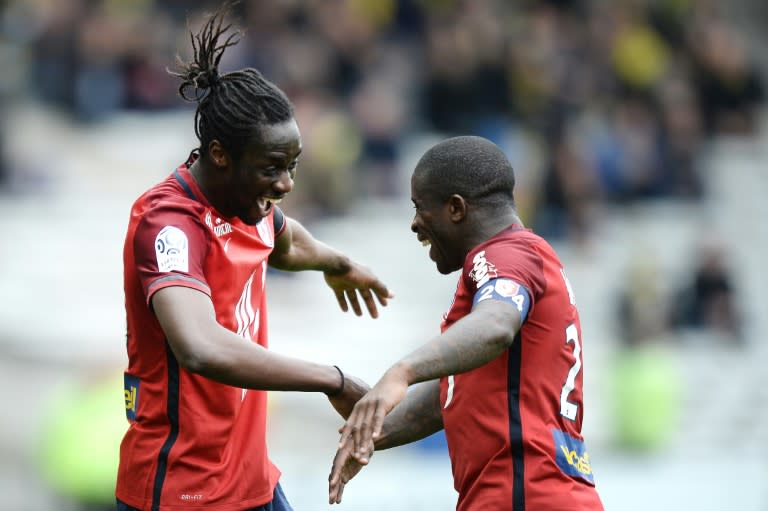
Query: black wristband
(341, 387)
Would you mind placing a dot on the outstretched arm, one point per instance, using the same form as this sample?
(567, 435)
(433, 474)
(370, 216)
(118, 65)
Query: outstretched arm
(471, 342)
(296, 249)
(202, 346)
(416, 417)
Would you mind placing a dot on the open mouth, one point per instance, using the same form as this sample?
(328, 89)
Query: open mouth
(264, 205)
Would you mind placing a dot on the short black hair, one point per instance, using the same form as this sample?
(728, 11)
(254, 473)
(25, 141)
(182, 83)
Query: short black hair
(473, 167)
(231, 107)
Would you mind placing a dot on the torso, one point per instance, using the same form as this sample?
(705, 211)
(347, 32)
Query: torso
(192, 441)
(514, 425)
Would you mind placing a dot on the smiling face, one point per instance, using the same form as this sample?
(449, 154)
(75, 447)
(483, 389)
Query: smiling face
(264, 174)
(437, 226)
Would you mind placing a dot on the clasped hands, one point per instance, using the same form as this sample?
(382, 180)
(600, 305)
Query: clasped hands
(362, 430)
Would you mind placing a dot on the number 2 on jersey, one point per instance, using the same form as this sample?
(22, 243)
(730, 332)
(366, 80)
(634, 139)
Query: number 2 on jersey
(568, 409)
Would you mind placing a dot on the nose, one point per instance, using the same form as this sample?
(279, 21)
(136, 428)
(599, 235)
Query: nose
(413, 224)
(284, 183)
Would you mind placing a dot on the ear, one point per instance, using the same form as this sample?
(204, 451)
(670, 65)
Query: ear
(457, 208)
(217, 154)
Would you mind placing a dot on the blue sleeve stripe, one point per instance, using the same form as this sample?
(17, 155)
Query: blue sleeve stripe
(506, 290)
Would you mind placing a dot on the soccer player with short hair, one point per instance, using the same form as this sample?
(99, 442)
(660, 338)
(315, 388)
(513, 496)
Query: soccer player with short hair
(505, 377)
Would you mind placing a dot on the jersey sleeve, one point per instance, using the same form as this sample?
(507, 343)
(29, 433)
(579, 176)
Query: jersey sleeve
(278, 221)
(508, 271)
(170, 246)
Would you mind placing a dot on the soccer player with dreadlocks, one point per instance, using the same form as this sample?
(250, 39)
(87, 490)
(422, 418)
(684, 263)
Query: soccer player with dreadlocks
(195, 261)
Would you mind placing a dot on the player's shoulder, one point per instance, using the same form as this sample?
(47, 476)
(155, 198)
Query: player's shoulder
(513, 240)
(167, 197)
(169, 189)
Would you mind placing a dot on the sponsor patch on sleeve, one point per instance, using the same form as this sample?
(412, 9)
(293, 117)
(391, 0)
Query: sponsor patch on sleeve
(572, 456)
(506, 290)
(131, 391)
(172, 250)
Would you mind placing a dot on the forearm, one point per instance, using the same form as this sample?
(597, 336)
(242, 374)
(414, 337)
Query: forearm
(230, 359)
(469, 343)
(416, 417)
(202, 346)
(298, 250)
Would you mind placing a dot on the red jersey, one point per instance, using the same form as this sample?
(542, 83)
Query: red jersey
(513, 426)
(193, 442)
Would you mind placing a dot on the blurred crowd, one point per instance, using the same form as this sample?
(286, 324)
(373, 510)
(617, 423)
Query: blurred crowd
(596, 102)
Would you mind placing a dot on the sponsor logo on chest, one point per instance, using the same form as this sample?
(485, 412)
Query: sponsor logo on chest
(218, 226)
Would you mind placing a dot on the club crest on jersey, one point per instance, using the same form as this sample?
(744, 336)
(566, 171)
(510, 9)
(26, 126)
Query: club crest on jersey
(507, 288)
(219, 228)
(172, 249)
(482, 269)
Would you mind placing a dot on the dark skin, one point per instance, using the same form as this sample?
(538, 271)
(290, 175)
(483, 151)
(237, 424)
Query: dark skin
(388, 415)
(245, 188)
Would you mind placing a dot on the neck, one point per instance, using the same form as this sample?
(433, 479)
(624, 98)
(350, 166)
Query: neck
(489, 226)
(205, 175)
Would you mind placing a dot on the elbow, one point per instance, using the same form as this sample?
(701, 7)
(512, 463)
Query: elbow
(194, 363)
(505, 330)
(197, 360)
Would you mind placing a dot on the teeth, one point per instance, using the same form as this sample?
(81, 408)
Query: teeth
(274, 201)
(425, 243)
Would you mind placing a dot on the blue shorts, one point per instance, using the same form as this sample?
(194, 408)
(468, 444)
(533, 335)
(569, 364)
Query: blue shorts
(278, 503)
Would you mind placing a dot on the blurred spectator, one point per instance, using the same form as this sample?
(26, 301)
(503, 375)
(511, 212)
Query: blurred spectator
(644, 83)
(642, 303)
(569, 194)
(709, 300)
(729, 85)
(465, 83)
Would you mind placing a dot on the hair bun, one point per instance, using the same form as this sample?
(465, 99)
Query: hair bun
(205, 79)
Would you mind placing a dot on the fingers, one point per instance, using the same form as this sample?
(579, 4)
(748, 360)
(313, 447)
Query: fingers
(344, 468)
(352, 298)
(335, 485)
(383, 294)
(345, 434)
(378, 422)
(370, 304)
(341, 299)
(363, 436)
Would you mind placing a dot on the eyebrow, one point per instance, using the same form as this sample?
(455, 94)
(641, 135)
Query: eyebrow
(281, 154)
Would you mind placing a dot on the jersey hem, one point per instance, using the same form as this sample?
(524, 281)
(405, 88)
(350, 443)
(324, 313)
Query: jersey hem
(140, 503)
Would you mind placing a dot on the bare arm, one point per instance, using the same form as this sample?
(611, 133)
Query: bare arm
(471, 342)
(296, 249)
(201, 345)
(416, 417)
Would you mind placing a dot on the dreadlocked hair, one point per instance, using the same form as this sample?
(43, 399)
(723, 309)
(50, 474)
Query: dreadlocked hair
(233, 106)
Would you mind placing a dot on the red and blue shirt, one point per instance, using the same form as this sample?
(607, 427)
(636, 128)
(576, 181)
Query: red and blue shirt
(513, 425)
(193, 442)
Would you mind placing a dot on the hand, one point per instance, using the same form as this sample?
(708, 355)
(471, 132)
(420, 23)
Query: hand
(367, 418)
(354, 389)
(358, 279)
(344, 468)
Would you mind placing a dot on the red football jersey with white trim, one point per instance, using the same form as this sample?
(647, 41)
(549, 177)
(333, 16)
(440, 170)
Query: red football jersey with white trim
(192, 442)
(513, 425)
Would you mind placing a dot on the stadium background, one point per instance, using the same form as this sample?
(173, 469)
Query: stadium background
(637, 130)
